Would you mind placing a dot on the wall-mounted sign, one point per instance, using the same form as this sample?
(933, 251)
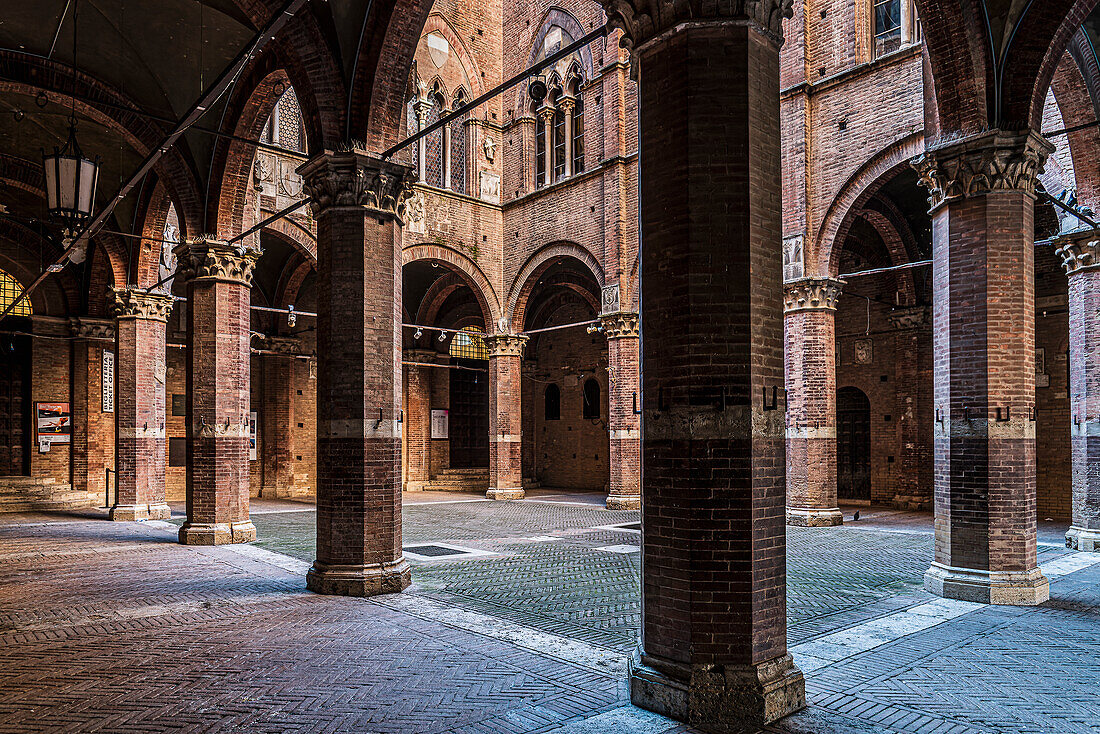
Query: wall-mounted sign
(54, 423)
(108, 381)
(441, 423)
(252, 436)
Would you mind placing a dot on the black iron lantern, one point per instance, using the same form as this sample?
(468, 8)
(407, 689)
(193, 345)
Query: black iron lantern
(70, 184)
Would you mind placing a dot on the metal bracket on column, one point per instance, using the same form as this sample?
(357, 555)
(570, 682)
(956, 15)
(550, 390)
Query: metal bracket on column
(1076, 419)
(966, 413)
(1031, 414)
(939, 415)
(634, 397)
(1007, 415)
(378, 422)
(774, 404)
(401, 416)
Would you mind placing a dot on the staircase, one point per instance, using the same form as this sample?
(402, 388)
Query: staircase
(28, 494)
(460, 480)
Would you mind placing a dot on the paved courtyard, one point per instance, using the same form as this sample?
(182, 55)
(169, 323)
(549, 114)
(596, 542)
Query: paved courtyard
(522, 618)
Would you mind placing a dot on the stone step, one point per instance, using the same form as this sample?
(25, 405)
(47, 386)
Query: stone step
(36, 495)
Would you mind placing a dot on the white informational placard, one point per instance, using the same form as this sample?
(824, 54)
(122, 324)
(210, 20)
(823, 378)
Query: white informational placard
(108, 381)
(441, 423)
(252, 436)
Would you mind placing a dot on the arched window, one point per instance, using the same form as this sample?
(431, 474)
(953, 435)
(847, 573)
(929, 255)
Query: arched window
(578, 136)
(469, 343)
(433, 172)
(9, 291)
(591, 401)
(285, 127)
(458, 145)
(552, 401)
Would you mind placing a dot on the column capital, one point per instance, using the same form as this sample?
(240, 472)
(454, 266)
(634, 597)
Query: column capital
(643, 20)
(207, 257)
(355, 178)
(506, 345)
(84, 327)
(130, 302)
(997, 160)
(1080, 251)
(282, 346)
(619, 325)
(546, 111)
(567, 102)
(908, 318)
(811, 294)
(424, 356)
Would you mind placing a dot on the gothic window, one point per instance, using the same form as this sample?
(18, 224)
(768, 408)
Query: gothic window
(434, 145)
(285, 127)
(559, 145)
(458, 147)
(887, 24)
(413, 128)
(552, 401)
(540, 153)
(591, 402)
(9, 291)
(578, 136)
(469, 343)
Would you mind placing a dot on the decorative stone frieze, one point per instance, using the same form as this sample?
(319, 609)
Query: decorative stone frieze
(1079, 251)
(643, 20)
(811, 294)
(208, 257)
(908, 318)
(992, 161)
(86, 328)
(286, 346)
(619, 325)
(353, 177)
(506, 345)
(137, 303)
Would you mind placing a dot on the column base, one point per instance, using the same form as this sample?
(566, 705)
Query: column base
(814, 518)
(367, 580)
(417, 486)
(624, 502)
(129, 513)
(221, 533)
(1083, 539)
(159, 511)
(717, 698)
(513, 493)
(1022, 588)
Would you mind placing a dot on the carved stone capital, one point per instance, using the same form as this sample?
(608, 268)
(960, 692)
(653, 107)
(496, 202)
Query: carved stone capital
(285, 346)
(89, 328)
(546, 111)
(208, 258)
(642, 20)
(1080, 251)
(354, 178)
(811, 294)
(993, 161)
(567, 103)
(619, 325)
(138, 303)
(421, 356)
(908, 318)
(506, 345)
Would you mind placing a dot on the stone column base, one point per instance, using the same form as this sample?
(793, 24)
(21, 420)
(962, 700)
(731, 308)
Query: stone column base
(129, 513)
(513, 493)
(624, 502)
(221, 533)
(1023, 588)
(366, 580)
(814, 518)
(718, 698)
(415, 486)
(1083, 539)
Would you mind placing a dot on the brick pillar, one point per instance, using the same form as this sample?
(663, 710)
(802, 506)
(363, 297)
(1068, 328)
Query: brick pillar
(277, 416)
(418, 419)
(93, 436)
(219, 279)
(358, 201)
(810, 366)
(624, 401)
(714, 643)
(141, 320)
(983, 201)
(914, 418)
(505, 416)
(1080, 254)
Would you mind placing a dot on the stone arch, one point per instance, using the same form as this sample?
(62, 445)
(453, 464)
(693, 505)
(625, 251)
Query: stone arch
(437, 23)
(295, 235)
(855, 192)
(437, 294)
(554, 16)
(466, 269)
(528, 276)
(1078, 108)
(896, 246)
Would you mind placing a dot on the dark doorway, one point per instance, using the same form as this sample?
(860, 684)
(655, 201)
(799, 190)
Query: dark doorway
(469, 429)
(15, 405)
(853, 445)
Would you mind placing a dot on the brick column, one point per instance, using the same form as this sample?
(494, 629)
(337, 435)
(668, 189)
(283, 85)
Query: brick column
(914, 418)
(141, 320)
(93, 445)
(505, 416)
(219, 279)
(983, 201)
(1080, 255)
(810, 366)
(714, 644)
(418, 419)
(277, 416)
(358, 200)
(624, 422)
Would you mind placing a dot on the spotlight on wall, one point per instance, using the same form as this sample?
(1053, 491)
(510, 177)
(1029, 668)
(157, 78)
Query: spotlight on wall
(537, 88)
(291, 317)
(418, 334)
(442, 336)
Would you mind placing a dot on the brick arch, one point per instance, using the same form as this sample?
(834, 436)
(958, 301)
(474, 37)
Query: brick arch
(436, 22)
(856, 191)
(296, 236)
(59, 295)
(466, 269)
(524, 283)
(1071, 93)
(152, 216)
(437, 294)
(291, 287)
(896, 246)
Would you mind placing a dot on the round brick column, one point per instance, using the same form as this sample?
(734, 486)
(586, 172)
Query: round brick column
(358, 200)
(714, 645)
(809, 306)
(1080, 255)
(219, 281)
(624, 490)
(505, 416)
(418, 419)
(983, 209)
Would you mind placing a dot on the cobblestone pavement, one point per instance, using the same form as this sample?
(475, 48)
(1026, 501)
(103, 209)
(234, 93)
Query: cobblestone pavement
(521, 619)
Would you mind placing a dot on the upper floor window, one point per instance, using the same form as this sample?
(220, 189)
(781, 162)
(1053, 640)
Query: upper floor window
(9, 291)
(285, 127)
(469, 343)
(440, 157)
(895, 23)
(556, 101)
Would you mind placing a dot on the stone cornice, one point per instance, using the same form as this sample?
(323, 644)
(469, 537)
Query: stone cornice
(208, 258)
(811, 294)
(138, 303)
(1080, 251)
(506, 345)
(354, 178)
(974, 166)
(908, 318)
(643, 20)
(619, 325)
(84, 327)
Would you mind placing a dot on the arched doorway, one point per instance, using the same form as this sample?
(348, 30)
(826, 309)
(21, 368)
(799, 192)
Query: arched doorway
(853, 445)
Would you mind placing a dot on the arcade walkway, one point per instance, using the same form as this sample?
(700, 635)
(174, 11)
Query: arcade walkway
(521, 619)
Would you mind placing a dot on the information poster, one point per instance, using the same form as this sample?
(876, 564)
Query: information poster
(54, 423)
(440, 423)
(252, 436)
(108, 381)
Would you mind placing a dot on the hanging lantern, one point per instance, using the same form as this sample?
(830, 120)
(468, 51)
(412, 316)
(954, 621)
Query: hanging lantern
(70, 184)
